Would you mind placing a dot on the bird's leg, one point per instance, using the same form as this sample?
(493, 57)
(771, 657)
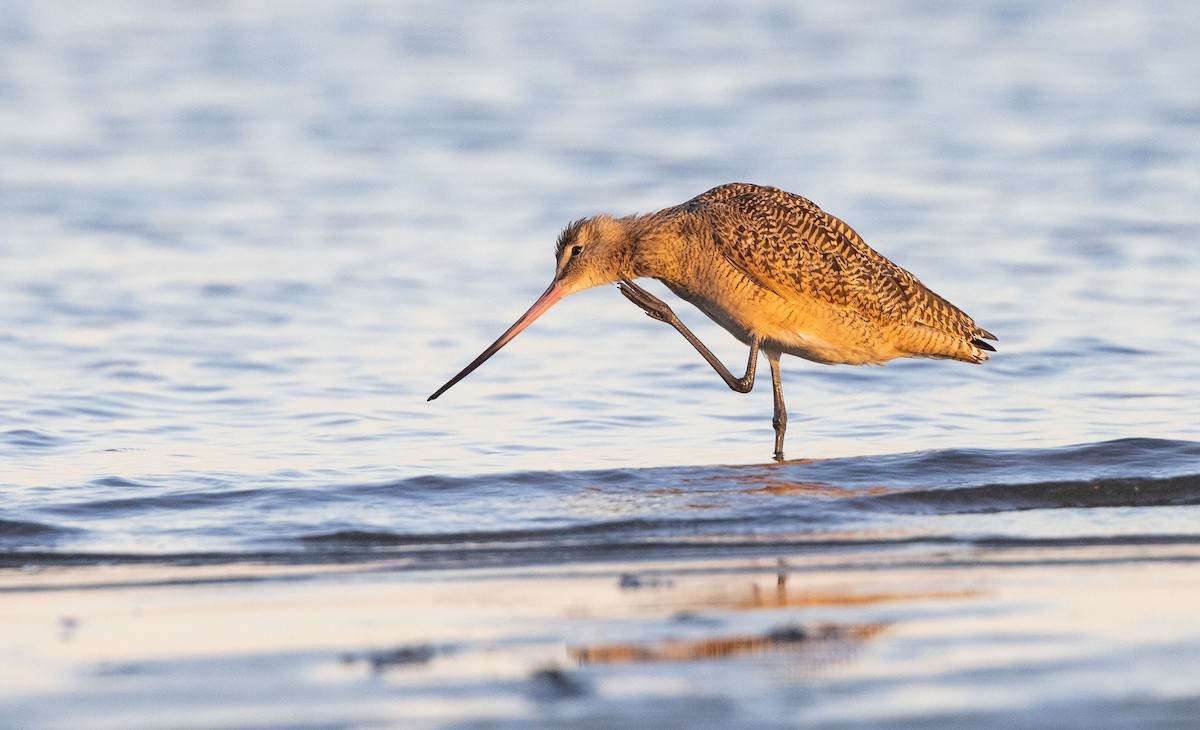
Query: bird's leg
(779, 420)
(656, 308)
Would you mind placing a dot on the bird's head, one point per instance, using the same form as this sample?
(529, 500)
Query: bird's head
(589, 252)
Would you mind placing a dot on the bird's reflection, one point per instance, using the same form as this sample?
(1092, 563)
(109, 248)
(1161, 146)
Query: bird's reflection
(824, 641)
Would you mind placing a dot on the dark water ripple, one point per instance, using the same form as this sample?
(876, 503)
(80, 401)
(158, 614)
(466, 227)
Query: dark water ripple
(27, 536)
(27, 438)
(1134, 492)
(10, 529)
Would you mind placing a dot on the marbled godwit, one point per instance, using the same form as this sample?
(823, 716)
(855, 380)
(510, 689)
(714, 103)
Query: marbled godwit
(780, 274)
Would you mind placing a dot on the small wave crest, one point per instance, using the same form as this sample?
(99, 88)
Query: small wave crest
(23, 534)
(1129, 492)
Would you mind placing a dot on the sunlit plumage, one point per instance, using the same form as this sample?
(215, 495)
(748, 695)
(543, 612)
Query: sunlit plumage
(776, 271)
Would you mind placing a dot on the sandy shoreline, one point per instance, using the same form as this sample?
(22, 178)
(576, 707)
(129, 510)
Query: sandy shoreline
(901, 637)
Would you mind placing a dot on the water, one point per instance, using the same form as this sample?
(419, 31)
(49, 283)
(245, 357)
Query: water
(241, 243)
(950, 496)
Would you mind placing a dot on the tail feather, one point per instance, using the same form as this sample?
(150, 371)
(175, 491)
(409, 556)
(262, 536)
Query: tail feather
(922, 340)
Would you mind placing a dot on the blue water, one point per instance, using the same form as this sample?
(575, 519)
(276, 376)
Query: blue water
(241, 243)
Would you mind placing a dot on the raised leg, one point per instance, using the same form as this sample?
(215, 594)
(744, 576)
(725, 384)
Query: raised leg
(779, 420)
(656, 308)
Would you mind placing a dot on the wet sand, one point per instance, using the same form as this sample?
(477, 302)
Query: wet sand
(1052, 636)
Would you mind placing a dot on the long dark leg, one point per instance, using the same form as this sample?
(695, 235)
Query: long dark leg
(658, 309)
(779, 420)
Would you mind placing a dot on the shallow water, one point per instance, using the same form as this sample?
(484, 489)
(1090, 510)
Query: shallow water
(240, 244)
(1133, 490)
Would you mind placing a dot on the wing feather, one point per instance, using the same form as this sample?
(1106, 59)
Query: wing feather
(785, 243)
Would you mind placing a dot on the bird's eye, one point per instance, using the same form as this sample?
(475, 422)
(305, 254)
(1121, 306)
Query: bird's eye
(576, 250)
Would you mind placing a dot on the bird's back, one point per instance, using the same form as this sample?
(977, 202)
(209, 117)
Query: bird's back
(786, 244)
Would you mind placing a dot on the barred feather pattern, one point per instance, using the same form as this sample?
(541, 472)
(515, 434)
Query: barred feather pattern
(786, 244)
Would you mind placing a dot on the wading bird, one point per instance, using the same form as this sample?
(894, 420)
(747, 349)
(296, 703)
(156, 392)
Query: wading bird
(780, 274)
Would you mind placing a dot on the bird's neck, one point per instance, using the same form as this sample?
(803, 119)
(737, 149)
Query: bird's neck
(660, 243)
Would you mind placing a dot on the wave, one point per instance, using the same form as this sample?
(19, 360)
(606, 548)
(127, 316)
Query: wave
(936, 496)
(1128, 492)
(27, 438)
(25, 534)
(19, 529)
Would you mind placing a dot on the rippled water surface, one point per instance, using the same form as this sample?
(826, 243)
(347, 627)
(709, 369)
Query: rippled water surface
(241, 243)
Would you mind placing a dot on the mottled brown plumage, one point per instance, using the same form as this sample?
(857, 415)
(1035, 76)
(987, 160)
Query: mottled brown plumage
(774, 270)
(818, 290)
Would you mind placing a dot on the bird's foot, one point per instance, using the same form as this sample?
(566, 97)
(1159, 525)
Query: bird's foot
(654, 307)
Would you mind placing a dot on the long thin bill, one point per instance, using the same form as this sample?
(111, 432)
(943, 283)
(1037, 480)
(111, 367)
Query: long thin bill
(544, 302)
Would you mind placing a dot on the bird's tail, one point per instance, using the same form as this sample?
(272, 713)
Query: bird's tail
(922, 340)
